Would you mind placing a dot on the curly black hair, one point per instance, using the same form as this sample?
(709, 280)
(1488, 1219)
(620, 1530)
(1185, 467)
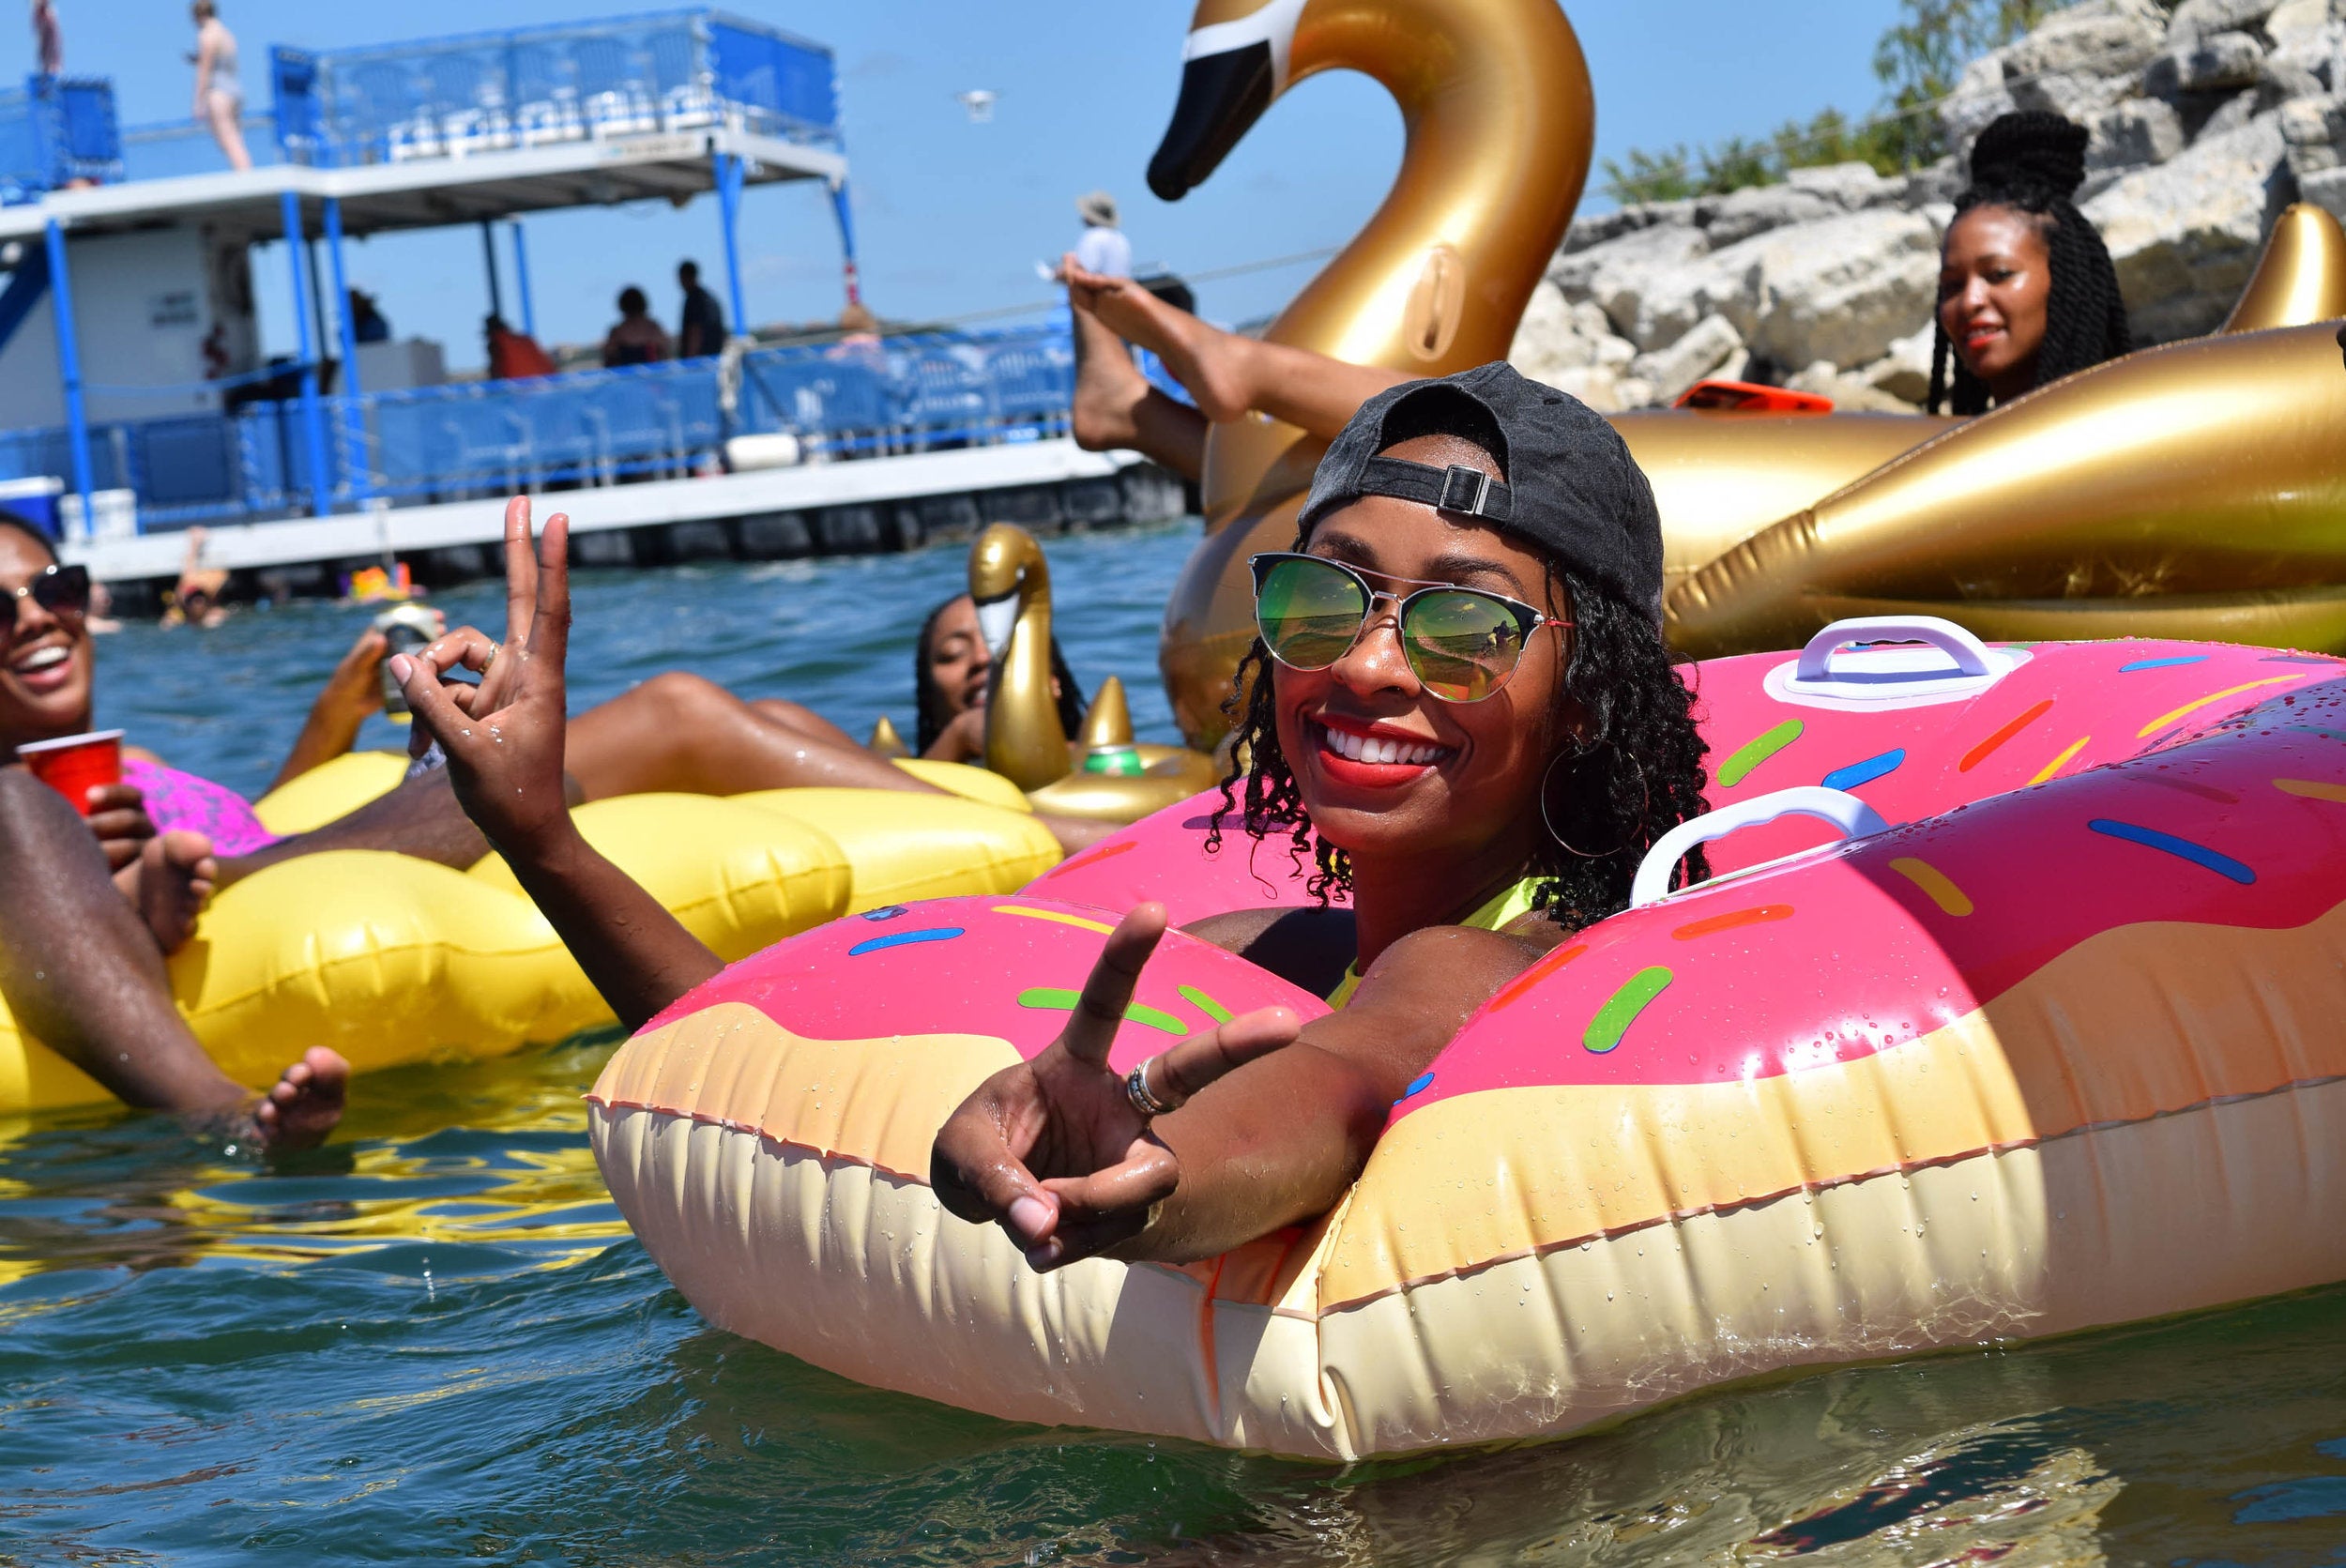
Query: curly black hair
(1637, 773)
(2033, 162)
(936, 708)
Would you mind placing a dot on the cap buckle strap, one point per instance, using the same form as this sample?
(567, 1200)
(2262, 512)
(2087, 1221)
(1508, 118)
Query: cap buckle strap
(1464, 490)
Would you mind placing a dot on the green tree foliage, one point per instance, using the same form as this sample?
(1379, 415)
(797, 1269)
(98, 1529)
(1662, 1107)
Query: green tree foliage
(1918, 61)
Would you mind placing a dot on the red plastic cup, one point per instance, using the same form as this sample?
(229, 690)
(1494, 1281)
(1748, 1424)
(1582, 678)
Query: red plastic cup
(77, 763)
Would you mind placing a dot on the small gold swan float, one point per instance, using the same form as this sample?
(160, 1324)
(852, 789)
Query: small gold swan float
(1105, 776)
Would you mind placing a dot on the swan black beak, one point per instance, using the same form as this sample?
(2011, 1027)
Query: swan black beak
(1223, 95)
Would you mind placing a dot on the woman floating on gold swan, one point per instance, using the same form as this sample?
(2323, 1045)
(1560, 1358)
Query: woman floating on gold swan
(1495, 101)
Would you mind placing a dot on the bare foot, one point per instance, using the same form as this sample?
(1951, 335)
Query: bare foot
(1109, 388)
(303, 1105)
(1204, 360)
(169, 884)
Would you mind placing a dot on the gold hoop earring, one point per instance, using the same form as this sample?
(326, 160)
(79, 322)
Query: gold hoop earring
(1548, 821)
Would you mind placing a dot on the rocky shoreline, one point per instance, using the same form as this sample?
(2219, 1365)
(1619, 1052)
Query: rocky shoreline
(2207, 121)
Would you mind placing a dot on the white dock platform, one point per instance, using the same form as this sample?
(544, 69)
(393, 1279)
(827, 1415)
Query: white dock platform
(797, 510)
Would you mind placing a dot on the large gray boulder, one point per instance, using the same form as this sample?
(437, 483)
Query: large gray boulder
(1978, 97)
(1614, 274)
(2186, 235)
(1853, 186)
(2326, 189)
(1840, 289)
(2195, 19)
(1756, 209)
(2131, 135)
(2085, 40)
(1557, 334)
(2217, 62)
(1712, 348)
(2314, 130)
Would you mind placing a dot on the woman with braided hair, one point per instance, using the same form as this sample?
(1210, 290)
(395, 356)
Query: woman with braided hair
(2027, 293)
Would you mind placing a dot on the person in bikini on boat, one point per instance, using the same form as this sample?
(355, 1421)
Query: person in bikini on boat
(1460, 692)
(2027, 294)
(218, 89)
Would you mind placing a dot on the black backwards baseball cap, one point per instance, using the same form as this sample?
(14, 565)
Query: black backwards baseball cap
(1571, 488)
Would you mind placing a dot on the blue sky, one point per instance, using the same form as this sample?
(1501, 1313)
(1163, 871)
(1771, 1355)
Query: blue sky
(952, 216)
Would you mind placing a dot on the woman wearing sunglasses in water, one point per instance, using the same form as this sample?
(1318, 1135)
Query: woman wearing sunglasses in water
(1460, 705)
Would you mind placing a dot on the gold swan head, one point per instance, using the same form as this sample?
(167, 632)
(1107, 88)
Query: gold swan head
(1011, 584)
(1498, 122)
(1026, 742)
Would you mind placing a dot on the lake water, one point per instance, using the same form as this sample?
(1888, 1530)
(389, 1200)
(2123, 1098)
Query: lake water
(436, 1338)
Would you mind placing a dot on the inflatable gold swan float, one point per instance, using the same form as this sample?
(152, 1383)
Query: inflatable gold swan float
(1498, 114)
(1026, 743)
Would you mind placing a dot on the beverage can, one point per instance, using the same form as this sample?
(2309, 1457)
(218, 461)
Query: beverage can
(406, 627)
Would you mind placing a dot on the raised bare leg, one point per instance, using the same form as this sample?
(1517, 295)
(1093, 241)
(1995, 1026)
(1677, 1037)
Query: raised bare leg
(679, 732)
(82, 972)
(1116, 409)
(805, 721)
(1231, 376)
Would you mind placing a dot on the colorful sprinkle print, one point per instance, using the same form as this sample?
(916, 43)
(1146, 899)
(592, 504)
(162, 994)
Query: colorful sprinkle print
(1204, 1003)
(2057, 764)
(1057, 917)
(1980, 752)
(2311, 789)
(1758, 915)
(1613, 1019)
(1092, 857)
(885, 912)
(2166, 718)
(1864, 772)
(1418, 1085)
(1756, 750)
(1527, 981)
(906, 940)
(2198, 854)
(2167, 663)
(1934, 885)
(1057, 999)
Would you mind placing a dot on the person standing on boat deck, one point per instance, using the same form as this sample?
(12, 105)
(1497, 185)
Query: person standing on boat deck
(48, 39)
(218, 90)
(637, 338)
(701, 330)
(1103, 249)
(2027, 292)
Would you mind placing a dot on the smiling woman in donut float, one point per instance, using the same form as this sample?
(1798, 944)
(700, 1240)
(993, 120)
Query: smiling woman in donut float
(1461, 695)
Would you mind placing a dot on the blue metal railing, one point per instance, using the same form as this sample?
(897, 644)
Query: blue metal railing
(916, 392)
(481, 92)
(169, 148)
(56, 130)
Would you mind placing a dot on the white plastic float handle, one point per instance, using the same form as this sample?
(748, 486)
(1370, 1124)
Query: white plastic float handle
(1969, 653)
(1837, 807)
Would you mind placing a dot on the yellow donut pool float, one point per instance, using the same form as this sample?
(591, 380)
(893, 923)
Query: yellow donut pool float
(392, 960)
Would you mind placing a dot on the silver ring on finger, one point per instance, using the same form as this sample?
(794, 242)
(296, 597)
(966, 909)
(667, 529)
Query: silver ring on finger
(489, 658)
(1144, 1099)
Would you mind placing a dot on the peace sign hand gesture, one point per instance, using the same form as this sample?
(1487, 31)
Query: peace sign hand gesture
(504, 738)
(1060, 1151)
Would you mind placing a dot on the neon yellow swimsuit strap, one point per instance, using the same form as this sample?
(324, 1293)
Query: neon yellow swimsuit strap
(1512, 903)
